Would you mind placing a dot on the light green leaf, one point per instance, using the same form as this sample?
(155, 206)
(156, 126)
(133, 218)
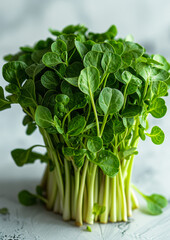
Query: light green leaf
(59, 46)
(157, 135)
(159, 88)
(158, 108)
(89, 80)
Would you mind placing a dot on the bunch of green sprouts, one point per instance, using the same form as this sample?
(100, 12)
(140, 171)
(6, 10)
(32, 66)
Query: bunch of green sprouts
(89, 95)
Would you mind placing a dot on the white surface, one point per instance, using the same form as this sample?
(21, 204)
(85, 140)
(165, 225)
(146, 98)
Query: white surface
(23, 22)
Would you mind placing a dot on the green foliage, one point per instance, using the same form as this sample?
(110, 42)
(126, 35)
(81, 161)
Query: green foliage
(157, 135)
(26, 156)
(94, 144)
(43, 117)
(110, 100)
(4, 211)
(89, 94)
(98, 209)
(89, 80)
(26, 198)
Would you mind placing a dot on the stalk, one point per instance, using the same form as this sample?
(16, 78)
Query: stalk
(113, 211)
(43, 183)
(79, 218)
(118, 200)
(57, 169)
(135, 203)
(104, 216)
(51, 190)
(56, 207)
(123, 198)
(85, 203)
(76, 191)
(66, 210)
(90, 193)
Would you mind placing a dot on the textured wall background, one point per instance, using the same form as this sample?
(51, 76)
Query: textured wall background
(23, 22)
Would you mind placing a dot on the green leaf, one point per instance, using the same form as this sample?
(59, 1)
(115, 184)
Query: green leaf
(131, 51)
(108, 133)
(157, 135)
(26, 198)
(128, 152)
(110, 100)
(98, 209)
(118, 46)
(108, 162)
(132, 82)
(102, 47)
(51, 59)
(4, 104)
(62, 98)
(131, 111)
(68, 151)
(26, 156)
(155, 203)
(50, 80)
(34, 69)
(89, 80)
(158, 108)
(31, 127)
(81, 48)
(88, 229)
(110, 62)
(27, 97)
(118, 126)
(68, 39)
(4, 211)
(163, 61)
(159, 88)
(14, 72)
(79, 160)
(73, 81)
(74, 69)
(76, 125)
(57, 124)
(43, 117)
(150, 72)
(13, 88)
(93, 58)
(59, 46)
(94, 144)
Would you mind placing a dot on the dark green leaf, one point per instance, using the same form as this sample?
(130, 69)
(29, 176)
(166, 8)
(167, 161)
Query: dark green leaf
(110, 100)
(76, 125)
(4, 104)
(14, 72)
(94, 144)
(27, 97)
(59, 46)
(131, 111)
(50, 80)
(26, 198)
(51, 59)
(108, 162)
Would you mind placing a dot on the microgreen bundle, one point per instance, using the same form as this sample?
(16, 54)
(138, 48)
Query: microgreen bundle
(89, 95)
